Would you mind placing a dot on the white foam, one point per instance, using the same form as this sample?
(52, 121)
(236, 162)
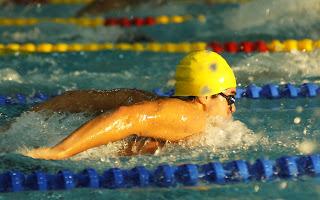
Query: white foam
(101, 152)
(286, 67)
(307, 147)
(221, 134)
(8, 74)
(19, 36)
(38, 129)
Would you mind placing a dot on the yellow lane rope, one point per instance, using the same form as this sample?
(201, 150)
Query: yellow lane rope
(273, 46)
(99, 21)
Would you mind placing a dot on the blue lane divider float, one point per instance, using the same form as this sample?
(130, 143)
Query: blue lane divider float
(165, 175)
(270, 91)
(20, 99)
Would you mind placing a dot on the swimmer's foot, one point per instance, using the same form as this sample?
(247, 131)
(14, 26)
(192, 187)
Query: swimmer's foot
(44, 153)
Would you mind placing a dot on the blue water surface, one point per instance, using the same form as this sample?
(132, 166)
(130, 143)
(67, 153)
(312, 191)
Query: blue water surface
(268, 128)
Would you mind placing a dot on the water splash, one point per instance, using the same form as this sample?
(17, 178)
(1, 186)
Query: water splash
(222, 133)
(20, 36)
(307, 147)
(8, 74)
(295, 67)
(222, 138)
(274, 16)
(38, 129)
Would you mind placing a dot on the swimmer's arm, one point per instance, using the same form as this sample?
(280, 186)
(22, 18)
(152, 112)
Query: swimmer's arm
(108, 128)
(101, 130)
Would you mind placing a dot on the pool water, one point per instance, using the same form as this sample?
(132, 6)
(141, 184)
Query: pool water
(261, 128)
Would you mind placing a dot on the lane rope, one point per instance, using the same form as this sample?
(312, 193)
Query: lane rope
(99, 21)
(305, 45)
(268, 91)
(165, 175)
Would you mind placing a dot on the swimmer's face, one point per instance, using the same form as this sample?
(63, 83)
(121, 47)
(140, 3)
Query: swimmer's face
(218, 105)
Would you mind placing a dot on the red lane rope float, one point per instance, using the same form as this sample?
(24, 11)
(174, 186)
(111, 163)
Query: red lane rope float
(126, 22)
(234, 47)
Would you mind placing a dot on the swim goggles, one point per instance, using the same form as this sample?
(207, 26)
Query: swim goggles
(230, 98)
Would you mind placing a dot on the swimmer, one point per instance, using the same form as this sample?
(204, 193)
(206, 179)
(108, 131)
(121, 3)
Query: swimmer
(23, 2)
(102, 6)
(205, 87)
(99, 7)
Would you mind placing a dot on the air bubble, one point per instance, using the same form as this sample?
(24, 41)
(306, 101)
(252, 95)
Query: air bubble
(250, 78)
(299, 109)
(256, 188)
(283, 185)
(171, 82)
(305, 131)
(297, 120)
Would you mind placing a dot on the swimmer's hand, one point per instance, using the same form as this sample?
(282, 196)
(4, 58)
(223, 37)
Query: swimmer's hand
(44, 153)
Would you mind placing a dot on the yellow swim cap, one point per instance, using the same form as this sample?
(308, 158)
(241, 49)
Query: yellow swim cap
(203, 73)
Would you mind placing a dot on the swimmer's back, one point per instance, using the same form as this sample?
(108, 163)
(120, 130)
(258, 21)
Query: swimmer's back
(94, 101)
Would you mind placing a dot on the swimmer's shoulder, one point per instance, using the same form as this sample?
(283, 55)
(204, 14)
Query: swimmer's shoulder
(159, 104)
(174, 101)
(175, 105)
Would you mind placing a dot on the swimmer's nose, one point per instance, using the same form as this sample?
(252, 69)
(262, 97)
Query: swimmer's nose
(233, 108)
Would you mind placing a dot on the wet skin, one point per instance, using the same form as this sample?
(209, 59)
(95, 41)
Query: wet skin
(165, 119)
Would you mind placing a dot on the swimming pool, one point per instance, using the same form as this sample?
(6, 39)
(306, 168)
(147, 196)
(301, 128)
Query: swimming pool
(262, 128)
